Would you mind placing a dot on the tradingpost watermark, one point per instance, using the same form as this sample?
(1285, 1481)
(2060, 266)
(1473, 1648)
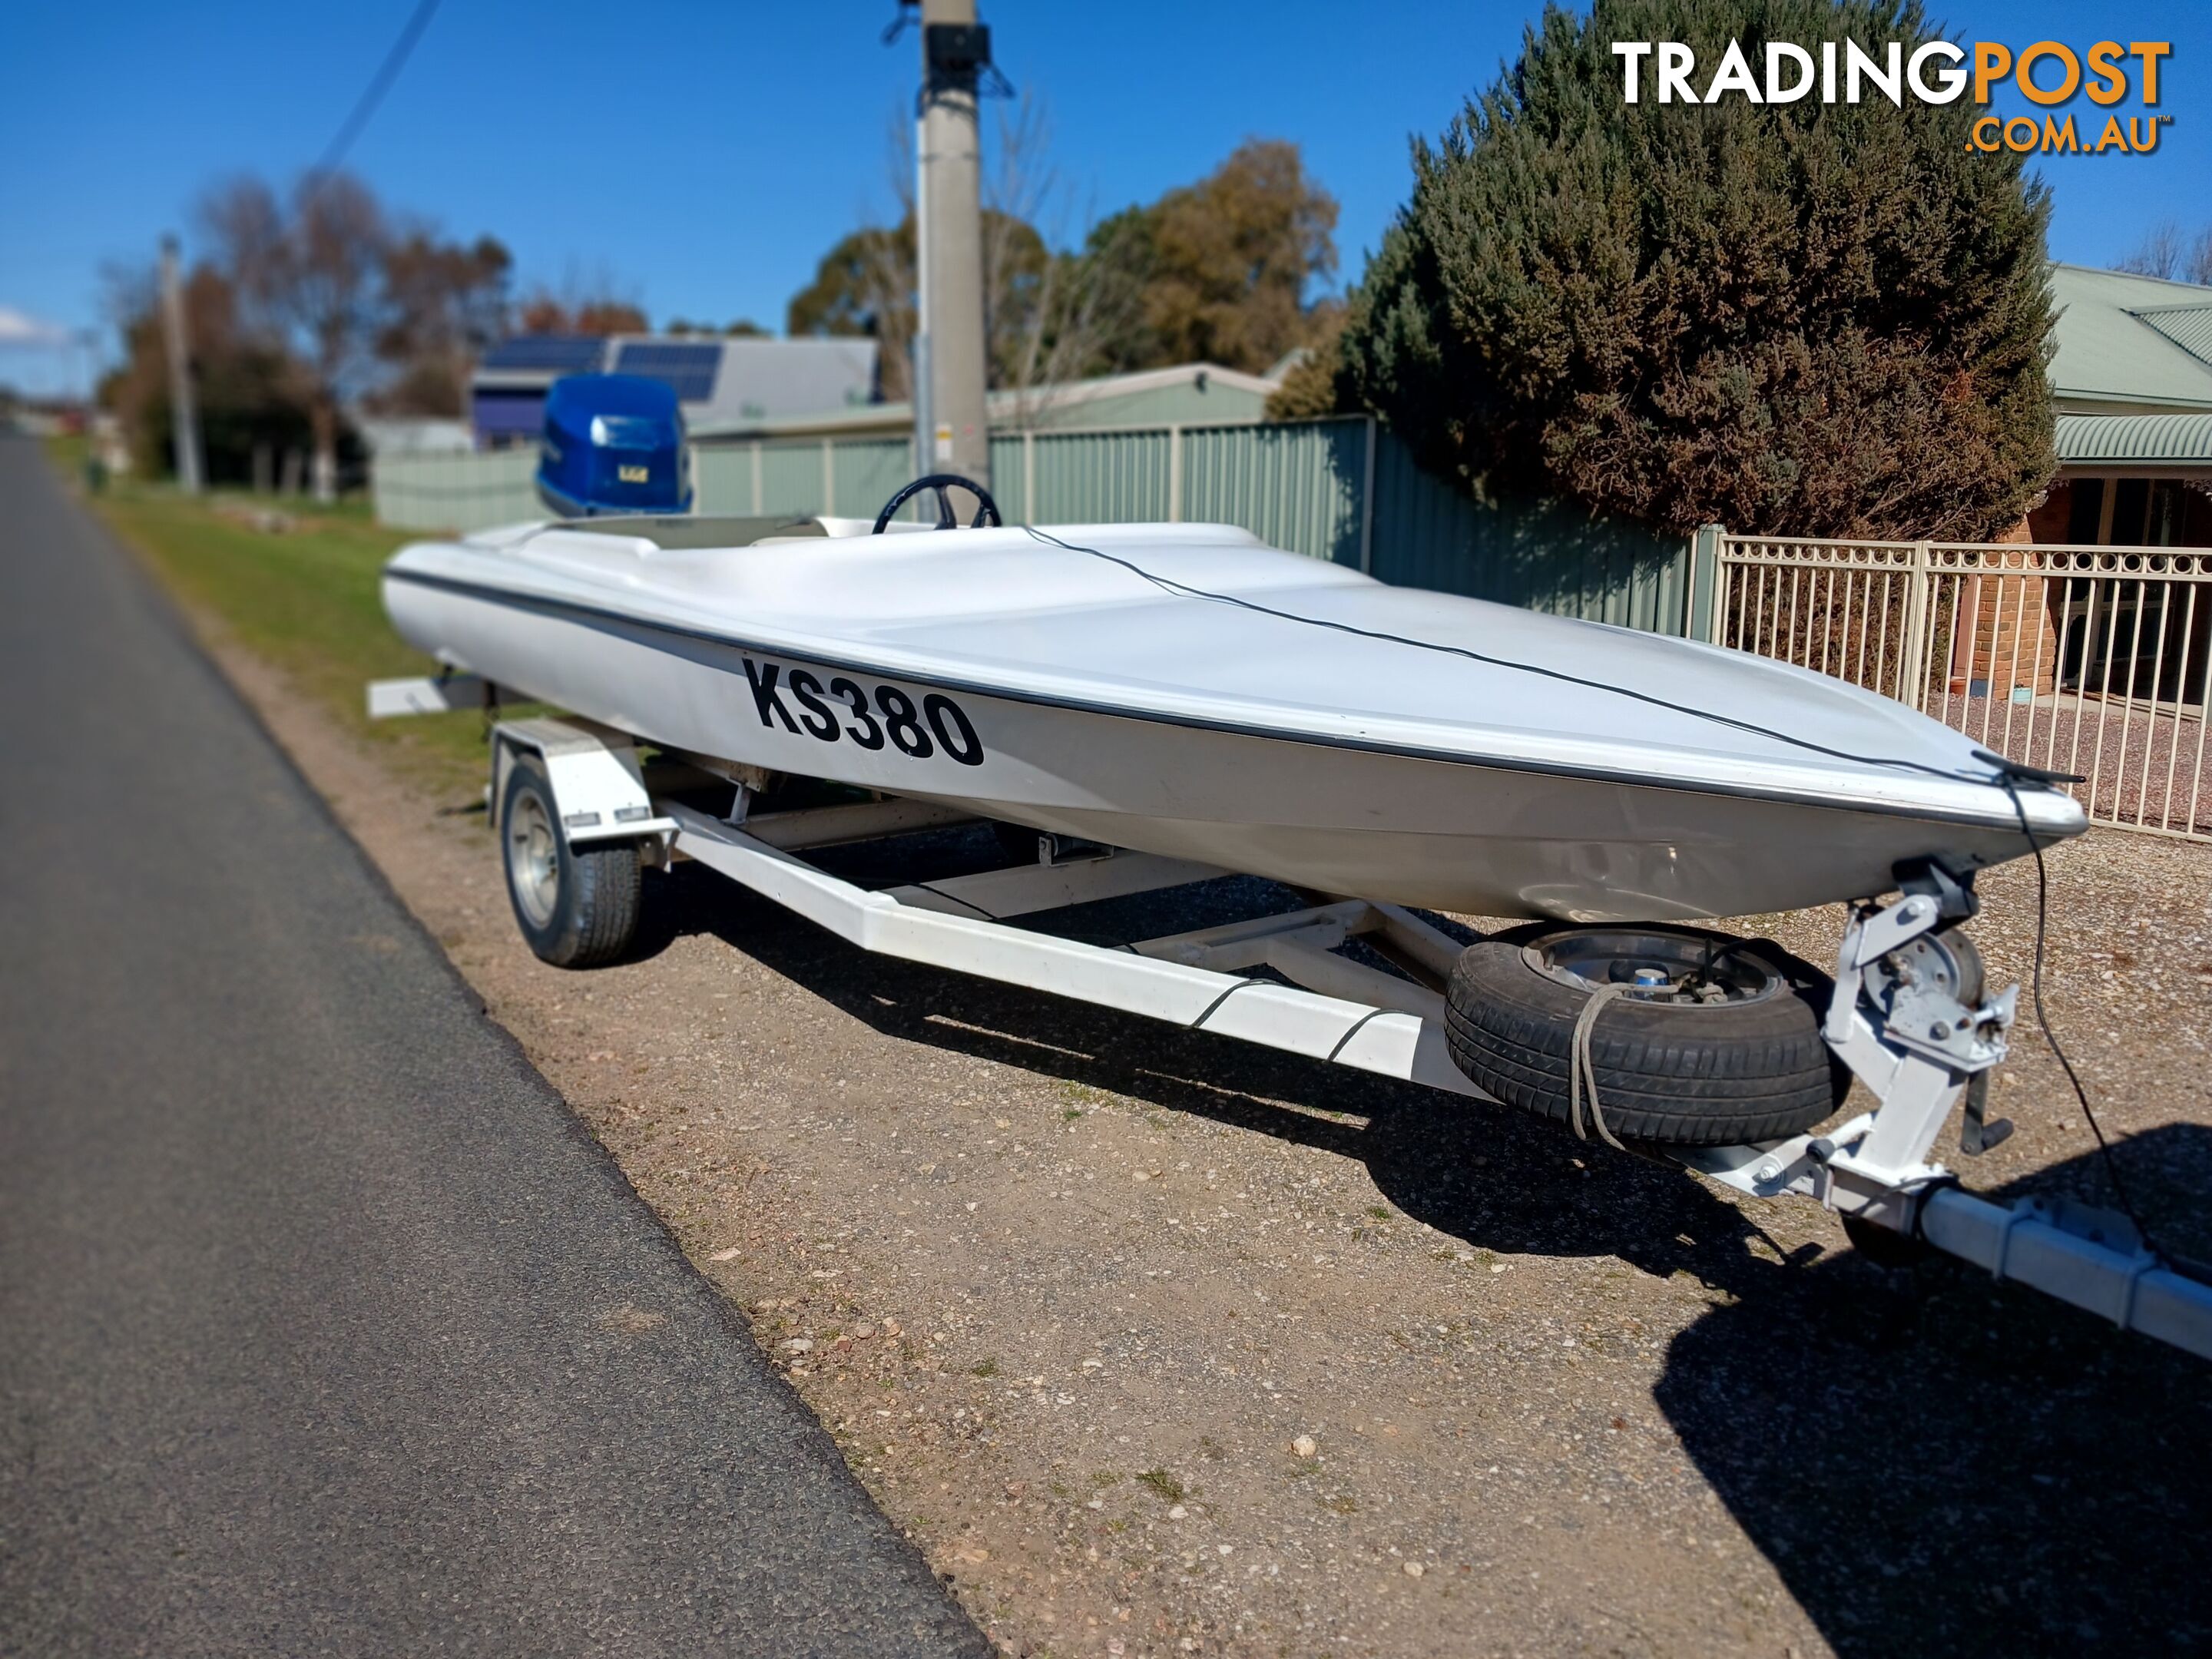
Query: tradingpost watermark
(2047, 74)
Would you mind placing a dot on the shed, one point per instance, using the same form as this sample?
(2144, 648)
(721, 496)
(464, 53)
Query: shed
(1188, 394)
(715, 380)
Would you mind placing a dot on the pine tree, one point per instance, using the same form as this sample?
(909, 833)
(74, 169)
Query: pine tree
(1800, 318)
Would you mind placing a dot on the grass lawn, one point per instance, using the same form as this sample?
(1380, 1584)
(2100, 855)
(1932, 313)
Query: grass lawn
(304, 599)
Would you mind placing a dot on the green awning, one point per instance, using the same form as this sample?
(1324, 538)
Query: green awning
(2182, 440)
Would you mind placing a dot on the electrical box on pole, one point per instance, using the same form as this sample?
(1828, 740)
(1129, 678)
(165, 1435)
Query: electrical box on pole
(952, 423)
(184, 411)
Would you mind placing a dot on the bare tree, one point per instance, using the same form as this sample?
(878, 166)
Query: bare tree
(888, 265)
(2168, 250)
(444, 304)
(589, 299)
(334, 296)
(129, 291)
(2158, 254)
(865, 286)
(243, 225)
(1050, 306)
(1029, 287)
(1018, 186)
(309, 276)
(1055, 298)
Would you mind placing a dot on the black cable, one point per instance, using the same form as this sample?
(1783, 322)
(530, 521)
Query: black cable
(394, 61)
(1168, 584)
(2111, 1164)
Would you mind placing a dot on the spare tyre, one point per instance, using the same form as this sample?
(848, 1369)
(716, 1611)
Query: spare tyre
(1713, 1041)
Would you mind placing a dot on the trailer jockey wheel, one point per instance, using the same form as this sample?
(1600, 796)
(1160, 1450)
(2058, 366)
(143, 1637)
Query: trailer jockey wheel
(577, 906)
(986, 510)
(1884, 1246)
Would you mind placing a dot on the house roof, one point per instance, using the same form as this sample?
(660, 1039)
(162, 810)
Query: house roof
(2135, 440)
(2130, 342)
(1003, 407)
(726, 379)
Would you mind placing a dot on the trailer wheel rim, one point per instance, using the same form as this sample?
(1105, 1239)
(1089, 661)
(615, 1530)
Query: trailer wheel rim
(533, 858)
(1655, 966)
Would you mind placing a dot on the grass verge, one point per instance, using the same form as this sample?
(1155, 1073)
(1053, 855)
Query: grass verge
(296, 585)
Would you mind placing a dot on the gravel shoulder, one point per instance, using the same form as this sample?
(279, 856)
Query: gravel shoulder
(1157, 1344)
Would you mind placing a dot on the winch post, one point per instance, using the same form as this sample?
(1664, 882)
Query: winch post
(1907, 1036)
(1874, 1170)
(1914, 1045)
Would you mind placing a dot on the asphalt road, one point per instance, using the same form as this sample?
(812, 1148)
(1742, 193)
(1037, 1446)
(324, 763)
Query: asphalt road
(324, 1326)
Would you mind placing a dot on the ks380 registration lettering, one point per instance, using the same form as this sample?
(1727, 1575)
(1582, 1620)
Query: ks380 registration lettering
(843, 710)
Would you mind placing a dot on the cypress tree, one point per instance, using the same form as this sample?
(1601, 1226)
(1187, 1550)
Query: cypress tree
(1795, 318)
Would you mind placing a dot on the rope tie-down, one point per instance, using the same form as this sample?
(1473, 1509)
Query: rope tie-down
(1582, 1070)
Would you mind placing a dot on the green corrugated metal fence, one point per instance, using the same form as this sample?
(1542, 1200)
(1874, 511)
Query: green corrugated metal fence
(455, 492)
(1299, 486)
(791, 479)
(852, 478)
(1538, 556)
(1342, 490)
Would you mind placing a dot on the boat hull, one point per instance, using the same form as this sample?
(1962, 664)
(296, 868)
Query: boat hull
(1337, 817)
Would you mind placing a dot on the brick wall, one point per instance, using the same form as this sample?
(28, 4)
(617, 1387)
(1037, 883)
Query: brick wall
(2007, 642)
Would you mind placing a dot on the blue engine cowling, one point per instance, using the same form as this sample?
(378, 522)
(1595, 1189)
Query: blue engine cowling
(613, 443)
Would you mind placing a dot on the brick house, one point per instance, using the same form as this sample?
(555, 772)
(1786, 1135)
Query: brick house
(2132, 382)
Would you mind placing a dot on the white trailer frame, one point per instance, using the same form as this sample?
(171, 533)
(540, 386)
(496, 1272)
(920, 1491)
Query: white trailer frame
(1874, 1170)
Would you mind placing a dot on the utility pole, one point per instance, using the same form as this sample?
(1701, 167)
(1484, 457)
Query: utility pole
(87, 343)
(951, 419)
(183, 414)
(925, 419)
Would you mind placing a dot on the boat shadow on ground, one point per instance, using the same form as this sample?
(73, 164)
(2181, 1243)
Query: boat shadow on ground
(1933, 1463)
(1938, 1463)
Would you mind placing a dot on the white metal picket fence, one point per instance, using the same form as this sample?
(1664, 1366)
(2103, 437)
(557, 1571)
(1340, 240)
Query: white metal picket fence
(2083, 660)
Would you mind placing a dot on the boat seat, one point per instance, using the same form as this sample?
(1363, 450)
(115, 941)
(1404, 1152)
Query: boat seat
(685, 530)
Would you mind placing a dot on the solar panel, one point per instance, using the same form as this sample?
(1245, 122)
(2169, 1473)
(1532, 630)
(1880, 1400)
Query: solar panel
(562, 353)
(688, 370)
(501, 413)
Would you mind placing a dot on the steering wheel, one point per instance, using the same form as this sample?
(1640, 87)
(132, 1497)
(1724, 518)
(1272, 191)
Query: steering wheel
(986, 510)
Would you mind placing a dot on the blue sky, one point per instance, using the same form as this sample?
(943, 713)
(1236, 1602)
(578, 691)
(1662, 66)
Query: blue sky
(704, 157)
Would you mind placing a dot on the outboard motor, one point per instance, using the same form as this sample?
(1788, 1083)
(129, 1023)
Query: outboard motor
(613, 443)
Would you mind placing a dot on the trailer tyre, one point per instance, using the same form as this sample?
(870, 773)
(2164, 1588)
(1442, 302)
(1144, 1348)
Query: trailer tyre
(1684, 1064)
(577, 906)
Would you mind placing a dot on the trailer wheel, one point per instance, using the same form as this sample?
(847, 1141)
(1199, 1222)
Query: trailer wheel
(576, 906)
(1717, 1041)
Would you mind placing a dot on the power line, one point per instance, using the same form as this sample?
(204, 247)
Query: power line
(394, 61)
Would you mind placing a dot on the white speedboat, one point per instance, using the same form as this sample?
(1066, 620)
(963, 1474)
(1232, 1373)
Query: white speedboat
(1217, 705)
(1184, 689)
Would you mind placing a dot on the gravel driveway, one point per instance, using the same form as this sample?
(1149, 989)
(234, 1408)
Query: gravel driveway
(1159, 1344)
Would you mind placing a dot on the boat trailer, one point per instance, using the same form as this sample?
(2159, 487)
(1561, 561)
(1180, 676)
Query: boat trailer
(1893, 1019)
